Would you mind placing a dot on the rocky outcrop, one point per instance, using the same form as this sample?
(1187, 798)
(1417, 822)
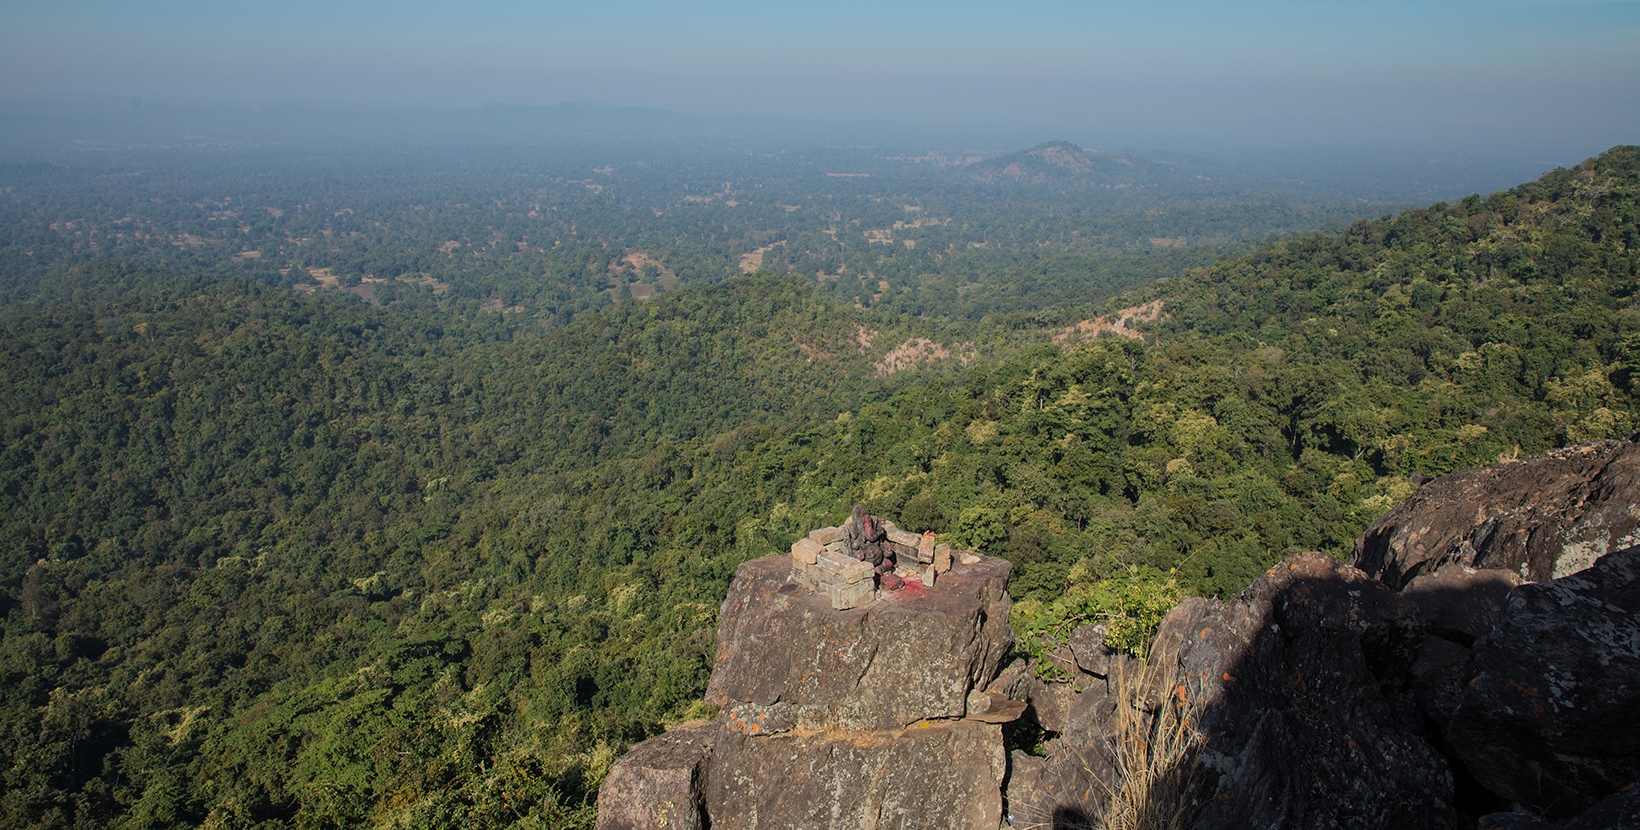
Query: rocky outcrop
(660, 782)
(938, 774)
(911, 655)
(1325, 699)
(1617, 812)
(1468, 685)
(873, 716)
(1302, 665)
(1542, 517)
(1524, 576)
(1549, 719)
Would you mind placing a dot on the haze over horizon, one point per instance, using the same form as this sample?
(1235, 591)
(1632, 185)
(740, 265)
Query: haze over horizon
(1545, 77)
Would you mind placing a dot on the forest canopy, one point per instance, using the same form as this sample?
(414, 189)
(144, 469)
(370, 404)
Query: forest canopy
(433, 556)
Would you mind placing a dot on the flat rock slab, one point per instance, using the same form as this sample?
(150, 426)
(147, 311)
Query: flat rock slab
(912, 654)
(1542, 517)
(946, 774)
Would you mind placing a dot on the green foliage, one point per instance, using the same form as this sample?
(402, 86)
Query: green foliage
(1130, 605)
(283, 560)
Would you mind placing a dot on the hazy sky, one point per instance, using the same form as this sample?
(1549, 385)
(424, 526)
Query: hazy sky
(1548, 73)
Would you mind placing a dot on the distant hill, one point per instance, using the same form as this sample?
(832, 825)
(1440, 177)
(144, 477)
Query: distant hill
(1065, 164)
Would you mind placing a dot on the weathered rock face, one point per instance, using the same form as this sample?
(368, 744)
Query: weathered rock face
(1617, 812)
(910, 655)
(1549, 719)
(945, 774)
(660, 782)
(1069, 789)
(1541, 517)
(1304, 666)
(868, 717)
(1297, 668)
(1071, 786)
(1459, 604)
(1324, 697)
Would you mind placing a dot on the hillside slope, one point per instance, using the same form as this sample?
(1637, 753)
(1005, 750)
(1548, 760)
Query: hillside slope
(280, 560)
(1064, 164)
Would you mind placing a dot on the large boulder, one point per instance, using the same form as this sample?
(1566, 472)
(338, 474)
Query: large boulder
(660, 782)
(878, 716)
(1068, 790)
(911, 655)
(1076, 712)
(1305, 664)
(936, 774)
(1541, 517)
(1549, 718)
(1459, 604)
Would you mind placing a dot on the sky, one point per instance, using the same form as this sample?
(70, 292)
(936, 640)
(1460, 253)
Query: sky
(1556, 76)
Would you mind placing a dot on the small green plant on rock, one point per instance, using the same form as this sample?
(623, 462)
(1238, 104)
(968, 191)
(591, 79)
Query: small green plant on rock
(1130, 604)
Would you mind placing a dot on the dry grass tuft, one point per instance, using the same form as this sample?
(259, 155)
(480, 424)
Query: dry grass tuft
(1157, 751)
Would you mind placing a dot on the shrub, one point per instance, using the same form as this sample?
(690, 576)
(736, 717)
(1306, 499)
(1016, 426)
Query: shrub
(1131, 605)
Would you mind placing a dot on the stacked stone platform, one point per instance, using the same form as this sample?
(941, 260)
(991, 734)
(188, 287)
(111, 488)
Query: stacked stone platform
(822, 563)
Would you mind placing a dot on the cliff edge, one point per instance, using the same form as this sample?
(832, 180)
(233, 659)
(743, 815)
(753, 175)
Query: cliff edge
(863, 717)
(1477, 666)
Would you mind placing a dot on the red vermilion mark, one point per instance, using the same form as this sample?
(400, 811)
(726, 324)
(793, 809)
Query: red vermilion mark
(913, 588)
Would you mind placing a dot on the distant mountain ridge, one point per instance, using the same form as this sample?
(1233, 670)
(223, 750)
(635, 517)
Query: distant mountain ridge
(1063, 163)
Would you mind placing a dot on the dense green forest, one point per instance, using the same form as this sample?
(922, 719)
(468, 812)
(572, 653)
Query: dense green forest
(281, 559)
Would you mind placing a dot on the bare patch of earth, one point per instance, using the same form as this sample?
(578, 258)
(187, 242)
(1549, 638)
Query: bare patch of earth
(1119, 324)
(920, 221)
(495, 305)
(668, 278)
(754, 260)
(909, 354)
(328, 281)
(438, 287)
